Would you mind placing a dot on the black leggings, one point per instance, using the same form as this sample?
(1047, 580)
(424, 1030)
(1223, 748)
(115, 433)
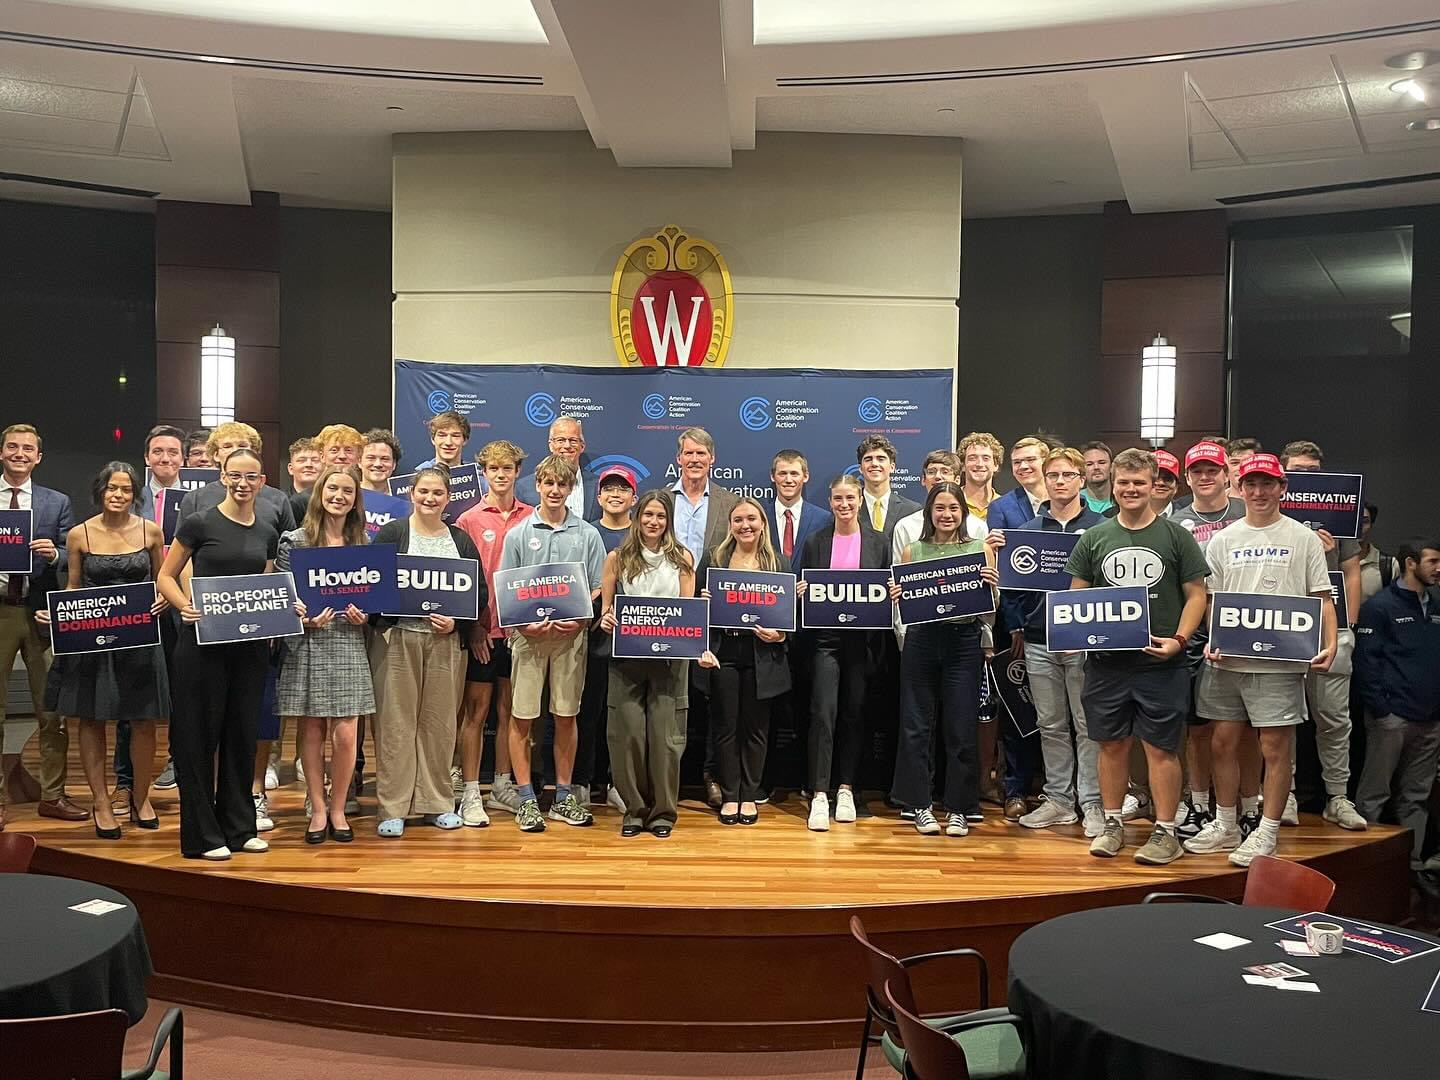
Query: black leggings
(837, 709)
(940, 672)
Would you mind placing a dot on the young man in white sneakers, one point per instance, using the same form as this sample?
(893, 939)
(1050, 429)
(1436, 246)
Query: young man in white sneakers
(1268, 554)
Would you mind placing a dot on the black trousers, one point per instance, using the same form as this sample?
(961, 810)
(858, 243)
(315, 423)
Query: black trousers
(940, 672)
(216, 715)
(592, 754)
(840, 669)
(741, 726)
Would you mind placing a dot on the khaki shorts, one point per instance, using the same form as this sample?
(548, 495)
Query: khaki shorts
(561, 660)
(1263, 698)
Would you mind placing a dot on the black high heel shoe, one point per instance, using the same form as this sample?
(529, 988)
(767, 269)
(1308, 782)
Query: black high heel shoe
(340, 836)
(142, 822)
(105, 834)
(316, 836)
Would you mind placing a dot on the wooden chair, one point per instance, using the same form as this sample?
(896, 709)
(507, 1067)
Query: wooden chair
(1270, 882)
(88, 1046)
(932, 1054)
(16, 850)
(881, 967)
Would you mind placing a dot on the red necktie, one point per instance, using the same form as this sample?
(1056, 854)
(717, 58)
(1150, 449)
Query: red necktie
(15, 586)
(788, 545)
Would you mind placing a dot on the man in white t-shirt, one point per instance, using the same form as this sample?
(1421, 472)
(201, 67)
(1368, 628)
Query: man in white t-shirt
(1267, 553)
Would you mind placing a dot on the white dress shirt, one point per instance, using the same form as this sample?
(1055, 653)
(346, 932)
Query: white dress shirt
(25, 504)
(884, 501)
(575, 501)
(778, 540)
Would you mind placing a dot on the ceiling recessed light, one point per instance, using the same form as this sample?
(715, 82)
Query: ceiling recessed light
(1430, 123)
(1413, 60)
(1412, 88)
(394, 108)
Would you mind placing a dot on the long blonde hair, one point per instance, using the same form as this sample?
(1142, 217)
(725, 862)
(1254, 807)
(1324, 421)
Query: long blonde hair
(353, 531)
(630, 555)
(764, 550)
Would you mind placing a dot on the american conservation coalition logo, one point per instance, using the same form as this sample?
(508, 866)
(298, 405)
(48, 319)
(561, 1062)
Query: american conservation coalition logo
(671, 304)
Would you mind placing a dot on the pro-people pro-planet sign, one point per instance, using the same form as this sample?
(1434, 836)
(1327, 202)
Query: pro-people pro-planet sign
(245, 607)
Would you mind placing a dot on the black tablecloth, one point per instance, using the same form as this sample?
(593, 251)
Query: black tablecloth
(55, 961)
(1127, 992)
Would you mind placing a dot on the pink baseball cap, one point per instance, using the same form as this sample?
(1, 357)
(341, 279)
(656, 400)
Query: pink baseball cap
(620, 471)
(1264, 464)
(1205, 452)
(1169, 462)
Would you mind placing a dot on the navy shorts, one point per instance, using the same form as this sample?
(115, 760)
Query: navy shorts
(498, 666)
(1121, 700)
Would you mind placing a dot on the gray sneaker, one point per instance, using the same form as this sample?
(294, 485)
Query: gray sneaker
(1094, 821)
(1048, 813)
(1341, 811)
(1108, 844)
(582, 794)
(166, 780)
(571, 812)
(529, 818)
(1162, 847)
(504, 797)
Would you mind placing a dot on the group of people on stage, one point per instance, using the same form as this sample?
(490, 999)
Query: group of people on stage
(1213, 736)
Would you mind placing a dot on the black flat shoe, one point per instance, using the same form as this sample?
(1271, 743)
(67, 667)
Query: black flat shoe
(729, 819)
(630, 830)
(341, 836)
(314, 836)
(142, 822)
(749, 819)
(661, 830)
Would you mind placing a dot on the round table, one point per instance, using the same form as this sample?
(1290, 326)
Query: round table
(55, 961)
(1128, 992)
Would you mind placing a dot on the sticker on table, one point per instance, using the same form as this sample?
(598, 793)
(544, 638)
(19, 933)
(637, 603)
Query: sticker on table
(432, 585)
(1035, 560)
(1258, 626)
(744, 599)
(933, 590)
(1432, 997)
(1103, 620)
(97, 907)
(1329, 501)
(661, 627)
(846, 600)
(1222, 941)
(245, 607)
(17, 529)
(1367, 939)
(105, 618)
(557, 592)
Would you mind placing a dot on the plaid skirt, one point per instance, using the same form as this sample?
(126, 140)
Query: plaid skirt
(326, 673)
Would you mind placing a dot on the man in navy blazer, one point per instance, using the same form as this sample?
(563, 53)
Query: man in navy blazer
(567, 440)
(21, 595)
(790, 472)
(164, 458)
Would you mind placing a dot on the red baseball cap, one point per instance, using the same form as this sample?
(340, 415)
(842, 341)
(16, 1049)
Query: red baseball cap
(1205, 452)
(620, 471)
(1264, 464)
(1169, 462)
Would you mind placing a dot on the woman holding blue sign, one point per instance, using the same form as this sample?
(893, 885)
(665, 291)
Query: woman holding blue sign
(648, 698)
(325, 678)
(843, 659)
(940, 671)
(115, 547)
(419, 666)
(753, 670)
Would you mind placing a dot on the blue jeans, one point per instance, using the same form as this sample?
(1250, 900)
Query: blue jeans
(940, 672)
(1056, 681)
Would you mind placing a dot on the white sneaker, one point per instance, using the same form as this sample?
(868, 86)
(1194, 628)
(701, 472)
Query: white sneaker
(1341, 811)
(217, 854)
(1182, 813)
(1136, 805)
(845, 805)
(1254, 845)
(472, 810)
(272, 778)
(956, 825)
(299, 771)
(504, 797)
(262, 813)
(255, 845)
(1094, 821)
(819, 813)
(925, 823)
(1212, 838)
(612, 798)
(1291, 813)
(1048, 813)
(457, 782)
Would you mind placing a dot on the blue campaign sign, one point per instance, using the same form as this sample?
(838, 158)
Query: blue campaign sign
(336, 577)
(1330, 501)
(106, 618)
(427, 585)
(1342, 602)
(660, 627)
(466, 487)
(742, 599)
(845, 600)
(1012, 689)
(554, 591)
(245, 607)
(1097, 620)
(633, 415)
(933, 590)
(1380, 942)
(381, 509)
(1258, 626)
(1035, 559)
(169, 505)
(17, 529)
(191, 479)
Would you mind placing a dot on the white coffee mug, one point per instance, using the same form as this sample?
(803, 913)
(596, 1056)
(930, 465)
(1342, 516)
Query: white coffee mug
(1326, 938)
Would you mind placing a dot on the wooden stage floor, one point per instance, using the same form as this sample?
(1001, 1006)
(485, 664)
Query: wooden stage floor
(717, 938)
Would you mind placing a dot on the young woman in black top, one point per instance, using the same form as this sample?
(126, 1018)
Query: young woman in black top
(218, 687)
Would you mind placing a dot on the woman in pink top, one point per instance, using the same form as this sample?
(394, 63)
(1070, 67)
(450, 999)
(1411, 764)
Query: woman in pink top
(843, 660)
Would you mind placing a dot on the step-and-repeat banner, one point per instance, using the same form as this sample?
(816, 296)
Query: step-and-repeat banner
(632, 416)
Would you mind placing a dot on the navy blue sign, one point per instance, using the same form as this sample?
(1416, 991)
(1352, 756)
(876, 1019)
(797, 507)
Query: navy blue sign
(466, 487)
(1035, 560)
(846, 600)
(336, 577)
(191, 479)
(167, 504)
(103, 619)
(741, 599)
(1011, 687)
(1342, 602)
(1432, 997)
(428, 585)
(660, 628)
(1258, 626)
(632, 415)
(936, 589)
(1100, 620)
(382, 509)
(17, 529)
(1331, 501)
(1381, 942)
(245, 607)
(553, 591)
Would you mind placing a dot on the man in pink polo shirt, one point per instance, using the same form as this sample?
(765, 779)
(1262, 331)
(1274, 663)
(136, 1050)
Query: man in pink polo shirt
(488, 669)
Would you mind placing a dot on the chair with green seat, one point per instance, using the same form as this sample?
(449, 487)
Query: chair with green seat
(990, 1038)
(933, 1054)
(88, 1046)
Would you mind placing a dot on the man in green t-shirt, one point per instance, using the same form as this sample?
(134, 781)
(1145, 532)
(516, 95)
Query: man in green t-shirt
(1147, 692)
